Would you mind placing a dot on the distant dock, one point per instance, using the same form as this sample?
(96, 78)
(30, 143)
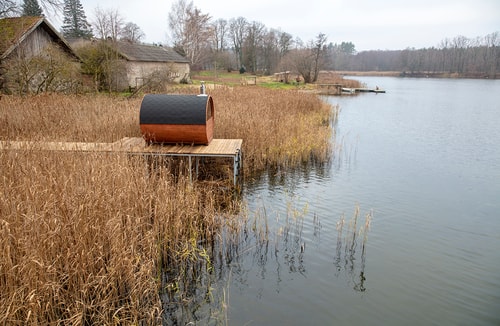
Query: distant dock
(339, 89)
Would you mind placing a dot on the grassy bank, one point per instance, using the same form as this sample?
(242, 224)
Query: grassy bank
(95, 238)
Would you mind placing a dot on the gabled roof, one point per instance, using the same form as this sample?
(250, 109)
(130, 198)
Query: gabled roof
(14, 30)
(149, 53)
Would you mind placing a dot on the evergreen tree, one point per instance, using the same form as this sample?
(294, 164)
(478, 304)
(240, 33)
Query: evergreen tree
(31, 8)
(75, 22)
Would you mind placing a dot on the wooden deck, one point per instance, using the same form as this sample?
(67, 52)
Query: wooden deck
(339, 89)
(228, 148)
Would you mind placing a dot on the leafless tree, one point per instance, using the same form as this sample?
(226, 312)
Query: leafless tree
(219, 34)
(190, 32)
(131, 32)
(50, 71)
(238, 29)
(9, 8)
(252, 44)
(177, 19)
(307, 60)
(108, 24)
(285, 41)
(270, 51)
(318, 52)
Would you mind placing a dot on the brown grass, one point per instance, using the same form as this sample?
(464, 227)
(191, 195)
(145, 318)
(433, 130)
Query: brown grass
(89, 238)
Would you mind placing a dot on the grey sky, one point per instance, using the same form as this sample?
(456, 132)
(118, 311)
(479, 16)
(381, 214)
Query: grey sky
(370, 25)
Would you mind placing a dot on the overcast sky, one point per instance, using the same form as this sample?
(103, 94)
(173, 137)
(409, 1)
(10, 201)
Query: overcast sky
(369, 24)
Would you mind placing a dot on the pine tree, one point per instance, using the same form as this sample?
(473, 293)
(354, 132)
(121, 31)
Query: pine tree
(31, 8)
(75, 23)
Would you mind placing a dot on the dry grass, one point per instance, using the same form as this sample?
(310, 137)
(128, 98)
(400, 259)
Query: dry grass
(88, 238)
(330, 77)
(68, 118)
(277, 127)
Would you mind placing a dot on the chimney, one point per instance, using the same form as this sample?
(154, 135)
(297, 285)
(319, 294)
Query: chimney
(202, 88)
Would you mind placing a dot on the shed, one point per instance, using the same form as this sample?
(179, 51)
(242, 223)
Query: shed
(180, 119)
(143, 61)
(23, 39)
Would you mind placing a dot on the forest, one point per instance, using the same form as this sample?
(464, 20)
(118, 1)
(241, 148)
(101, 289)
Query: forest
(249, 46)
(459, 57)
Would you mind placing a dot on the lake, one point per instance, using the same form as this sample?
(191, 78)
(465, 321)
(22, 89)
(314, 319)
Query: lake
(419, 164)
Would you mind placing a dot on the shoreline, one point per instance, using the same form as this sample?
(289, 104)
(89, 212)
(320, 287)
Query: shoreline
(422, 74)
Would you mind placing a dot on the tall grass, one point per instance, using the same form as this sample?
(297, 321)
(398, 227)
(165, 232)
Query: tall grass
(278, 127)
(349, 238)
(96, 238)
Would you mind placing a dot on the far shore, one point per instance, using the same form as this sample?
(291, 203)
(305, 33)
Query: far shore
(422, 74)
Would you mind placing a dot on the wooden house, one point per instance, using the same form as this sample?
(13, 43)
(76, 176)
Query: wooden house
(143, 61)
(22, 38)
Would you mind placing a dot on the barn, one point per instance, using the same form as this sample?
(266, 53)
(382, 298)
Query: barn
(24, 38)
(144, 61)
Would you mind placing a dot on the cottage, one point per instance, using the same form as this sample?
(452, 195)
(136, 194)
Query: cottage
(143, 61)
(25, 38)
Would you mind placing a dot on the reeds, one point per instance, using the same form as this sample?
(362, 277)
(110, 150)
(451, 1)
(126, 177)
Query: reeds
(279, 128)
(349, 239)
(89, 238)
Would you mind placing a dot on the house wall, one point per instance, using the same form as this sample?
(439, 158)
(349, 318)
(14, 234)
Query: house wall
(33, 44)
(36, 44)
(138, 72)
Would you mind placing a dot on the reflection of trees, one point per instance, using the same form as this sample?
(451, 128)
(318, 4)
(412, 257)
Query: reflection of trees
(345, 259)
(197, 289)
(290, 177)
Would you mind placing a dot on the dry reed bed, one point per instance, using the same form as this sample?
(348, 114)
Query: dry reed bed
(86, 238)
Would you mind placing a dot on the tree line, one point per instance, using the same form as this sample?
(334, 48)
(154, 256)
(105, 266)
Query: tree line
(461, 56)
(250, 46)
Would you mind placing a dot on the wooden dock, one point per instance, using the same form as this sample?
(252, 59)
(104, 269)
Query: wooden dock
(339, 89)
(218, 148)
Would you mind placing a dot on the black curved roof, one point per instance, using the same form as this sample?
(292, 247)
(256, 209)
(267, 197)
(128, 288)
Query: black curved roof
(174, 109)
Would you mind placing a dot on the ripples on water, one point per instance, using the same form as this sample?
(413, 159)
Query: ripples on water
(422, 160)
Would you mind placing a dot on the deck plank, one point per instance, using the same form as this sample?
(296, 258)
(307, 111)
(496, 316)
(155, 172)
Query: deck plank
(222, 148)
(133, 145)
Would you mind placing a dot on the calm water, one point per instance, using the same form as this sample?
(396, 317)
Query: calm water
(424, 161)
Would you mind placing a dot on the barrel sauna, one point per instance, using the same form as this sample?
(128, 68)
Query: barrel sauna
(179, 119)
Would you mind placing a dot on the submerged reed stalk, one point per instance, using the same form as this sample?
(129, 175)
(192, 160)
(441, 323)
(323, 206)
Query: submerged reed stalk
(350, 241)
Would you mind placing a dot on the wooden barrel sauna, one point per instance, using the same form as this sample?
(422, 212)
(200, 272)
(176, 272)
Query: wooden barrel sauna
(179, 119)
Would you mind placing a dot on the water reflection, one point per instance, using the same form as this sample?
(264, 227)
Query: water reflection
(348, 240)
(264, 247)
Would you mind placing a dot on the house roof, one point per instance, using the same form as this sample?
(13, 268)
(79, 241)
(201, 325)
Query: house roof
(14, 30)
(149, 53)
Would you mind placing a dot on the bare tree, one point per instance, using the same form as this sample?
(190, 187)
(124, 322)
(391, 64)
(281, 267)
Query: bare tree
(285, 42)
(190, 31)
(50, 71)
(270, 51)
(307, 61)
(302, 61)
(9, 8)
(108, 24)
(219, 34)
(252, 44)
(238, 28)
(177, 19)
(318, 52)
(131, 32)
